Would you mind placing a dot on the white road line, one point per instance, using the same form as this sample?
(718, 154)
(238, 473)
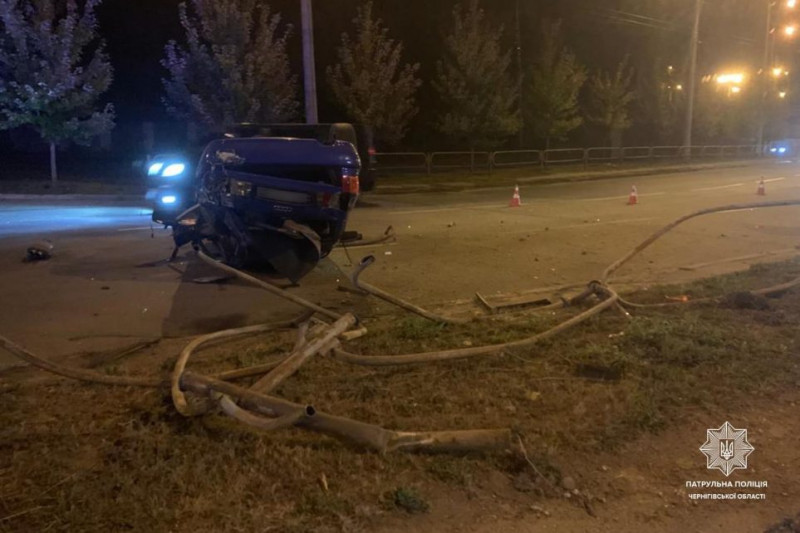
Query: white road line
(773, 179)
(719, 187)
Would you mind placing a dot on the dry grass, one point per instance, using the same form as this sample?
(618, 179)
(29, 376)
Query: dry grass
(77, 457)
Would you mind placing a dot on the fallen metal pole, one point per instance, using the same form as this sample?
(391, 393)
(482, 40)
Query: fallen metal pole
(463, 353)
(383, 295)
(616, 265)
(368, 435)
(230, 408)
(387, 236)
(291, 364)
(268, 287)
(178, 398)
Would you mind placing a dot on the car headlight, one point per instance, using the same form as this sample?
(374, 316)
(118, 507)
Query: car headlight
(154, 169)
(241, 188)
(174, 169)
(169, 199)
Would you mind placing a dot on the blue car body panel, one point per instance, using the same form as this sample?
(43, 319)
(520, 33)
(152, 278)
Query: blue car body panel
(283, 151)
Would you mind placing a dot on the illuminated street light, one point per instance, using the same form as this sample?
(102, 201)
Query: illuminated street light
(782, 95)
(790, 31)
(679, 87)
(777, 72)
(730, 78)
(736, 90)
(791, 4)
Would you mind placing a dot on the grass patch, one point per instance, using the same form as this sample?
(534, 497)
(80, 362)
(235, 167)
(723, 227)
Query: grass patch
(408, 500)
(81, 457)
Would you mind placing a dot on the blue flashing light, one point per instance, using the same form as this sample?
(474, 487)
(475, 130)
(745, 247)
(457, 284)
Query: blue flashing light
(174, 169)
(154, 169)
(782, 150)
(773, 150)
(169, 199)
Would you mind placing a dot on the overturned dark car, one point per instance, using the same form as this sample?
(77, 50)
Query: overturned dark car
(274, 203)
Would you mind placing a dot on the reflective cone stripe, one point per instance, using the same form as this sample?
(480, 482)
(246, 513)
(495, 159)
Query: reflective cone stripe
(633, 197)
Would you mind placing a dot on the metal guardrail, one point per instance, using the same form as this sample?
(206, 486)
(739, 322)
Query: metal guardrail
(562, 156)
(451, 160)
(432, 161)
(637, 152)
(403, 161)
(516, 158)
(602, 153)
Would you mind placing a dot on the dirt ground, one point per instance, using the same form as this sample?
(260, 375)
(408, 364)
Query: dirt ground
(642, 486)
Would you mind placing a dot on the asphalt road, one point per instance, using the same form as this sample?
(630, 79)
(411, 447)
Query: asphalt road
(36, 218)
(108, 286)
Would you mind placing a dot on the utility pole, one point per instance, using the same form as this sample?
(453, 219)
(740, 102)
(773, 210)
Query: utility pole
(310, 76)
(765, 67)
(692, 89)
(521, 139)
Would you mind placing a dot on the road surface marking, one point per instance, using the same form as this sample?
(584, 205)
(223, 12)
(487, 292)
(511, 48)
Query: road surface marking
(719, 187)
(641, 195)
(774, 179)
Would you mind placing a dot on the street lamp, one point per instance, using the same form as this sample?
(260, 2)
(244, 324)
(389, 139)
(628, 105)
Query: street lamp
(735, 78)
(790, 30)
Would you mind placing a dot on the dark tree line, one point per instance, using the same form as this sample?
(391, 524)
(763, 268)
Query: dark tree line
(234, 64)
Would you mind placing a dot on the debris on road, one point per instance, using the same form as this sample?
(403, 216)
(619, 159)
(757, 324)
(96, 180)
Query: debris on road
(194, 393)
(39, 251)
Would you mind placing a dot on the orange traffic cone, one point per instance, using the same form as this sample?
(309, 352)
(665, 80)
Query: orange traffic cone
(515, 200)
(633, 197)
(762, 190)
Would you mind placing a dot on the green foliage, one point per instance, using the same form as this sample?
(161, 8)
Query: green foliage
(556, 81)
(409, 500)
(473, 81)
(53, 69)
(722, 116)
(661, 102)
(610, 99)
(234, 67)
(370, 82)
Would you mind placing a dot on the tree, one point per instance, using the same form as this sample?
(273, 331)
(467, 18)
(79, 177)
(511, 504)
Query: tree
(234, 68)
(723, 116)
(610, 98)
(369, 81)
(477, 92)
(53, 69)
(556, 81)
